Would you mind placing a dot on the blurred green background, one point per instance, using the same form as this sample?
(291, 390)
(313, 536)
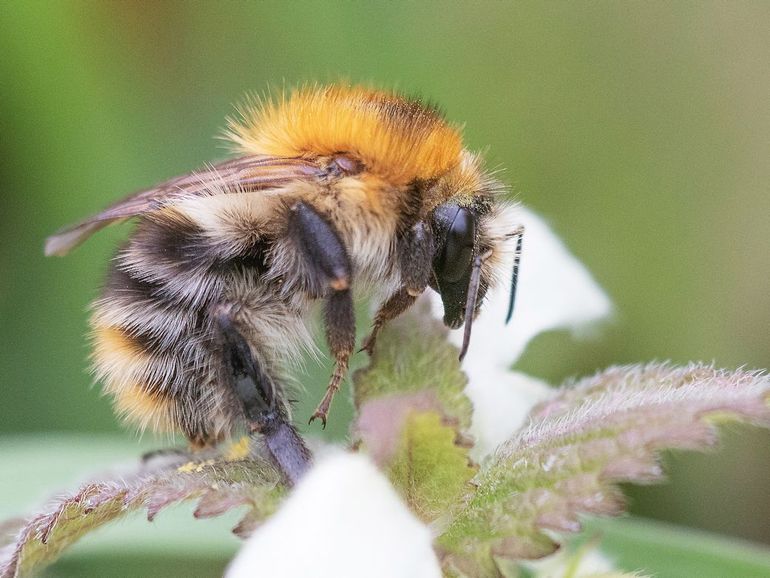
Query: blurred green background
(640, 130)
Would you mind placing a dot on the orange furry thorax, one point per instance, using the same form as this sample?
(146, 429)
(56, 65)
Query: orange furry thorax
(398, 139)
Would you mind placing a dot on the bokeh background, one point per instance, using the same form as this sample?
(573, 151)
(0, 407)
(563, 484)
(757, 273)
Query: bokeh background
(640, 130)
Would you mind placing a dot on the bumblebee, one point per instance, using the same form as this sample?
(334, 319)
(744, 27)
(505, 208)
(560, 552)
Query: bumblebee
(333, 188)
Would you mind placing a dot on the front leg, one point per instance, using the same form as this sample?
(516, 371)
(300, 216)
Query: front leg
(415, 259)
(329, 267)
(394, 306)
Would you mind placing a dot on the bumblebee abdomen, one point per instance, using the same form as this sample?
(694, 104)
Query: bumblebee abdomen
(164, 379)
(153, 346)
(125, 368)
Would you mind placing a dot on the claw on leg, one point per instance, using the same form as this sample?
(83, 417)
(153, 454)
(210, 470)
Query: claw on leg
(322, 411)
(370, 340)
(341, 337)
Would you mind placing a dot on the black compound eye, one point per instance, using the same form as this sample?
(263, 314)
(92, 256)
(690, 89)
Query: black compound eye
(454, 260)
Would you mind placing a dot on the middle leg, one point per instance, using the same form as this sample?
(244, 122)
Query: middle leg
(328, 263)
(340, 322)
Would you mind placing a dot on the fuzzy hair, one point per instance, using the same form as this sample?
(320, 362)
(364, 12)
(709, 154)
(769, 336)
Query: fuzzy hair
(397, 138)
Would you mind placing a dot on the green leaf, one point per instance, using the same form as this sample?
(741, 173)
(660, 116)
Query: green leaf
(577, 446)
(419, 449)
(429, 468)
(668, 551)
(219, 482)
(413, 413)
(413, 355)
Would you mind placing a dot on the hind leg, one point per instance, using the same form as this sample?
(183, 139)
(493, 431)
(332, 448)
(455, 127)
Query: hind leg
(263, 405)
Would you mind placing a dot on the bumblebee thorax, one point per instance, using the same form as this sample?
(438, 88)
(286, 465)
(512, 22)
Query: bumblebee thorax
(400, 139)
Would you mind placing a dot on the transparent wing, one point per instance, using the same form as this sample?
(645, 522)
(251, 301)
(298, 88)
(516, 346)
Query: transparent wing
(243, 174)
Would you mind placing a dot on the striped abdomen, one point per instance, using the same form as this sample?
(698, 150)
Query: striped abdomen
(155, 348)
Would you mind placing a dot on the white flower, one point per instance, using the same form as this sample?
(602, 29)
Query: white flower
(586, 561)
(343, 520)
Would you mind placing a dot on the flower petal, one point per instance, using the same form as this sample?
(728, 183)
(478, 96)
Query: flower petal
(343, 520)
(585, 562)
(502, 400)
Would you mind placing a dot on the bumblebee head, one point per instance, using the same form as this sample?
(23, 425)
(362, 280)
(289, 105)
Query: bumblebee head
(454, 228)
(472, 229)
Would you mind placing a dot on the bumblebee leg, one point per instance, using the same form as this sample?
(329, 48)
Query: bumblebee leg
(329, 264)
(255, 389)
(340, 322)
(394, 306)
(162, 453)
(263, 405)
(323, 251)
(415, 256)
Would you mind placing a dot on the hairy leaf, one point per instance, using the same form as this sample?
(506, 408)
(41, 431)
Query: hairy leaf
(577, 446)
(431, 469)
(220, 483)
(413, 413)
(419, 449)
(413, 355)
